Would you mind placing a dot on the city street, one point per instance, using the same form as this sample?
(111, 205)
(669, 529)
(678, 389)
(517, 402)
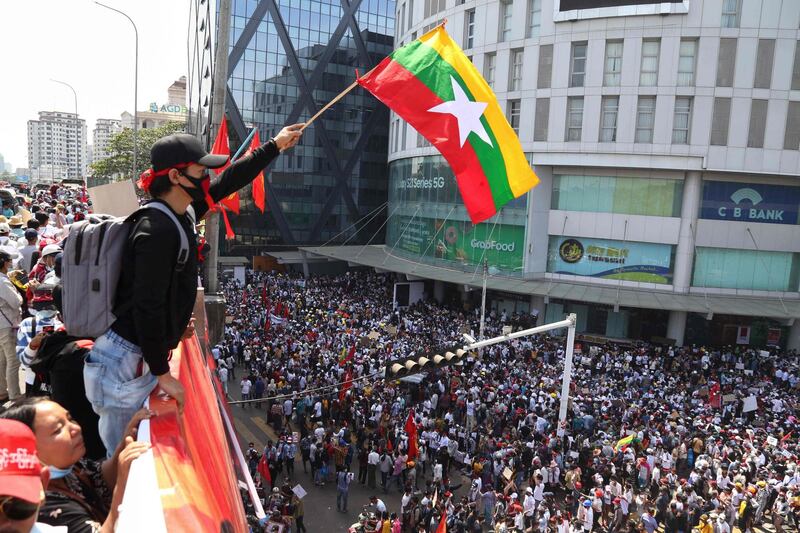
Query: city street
(320, 503)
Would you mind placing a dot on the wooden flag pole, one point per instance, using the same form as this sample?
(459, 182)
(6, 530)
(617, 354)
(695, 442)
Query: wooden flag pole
(329, 104)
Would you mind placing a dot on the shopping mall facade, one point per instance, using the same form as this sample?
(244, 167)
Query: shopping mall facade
(666, 140)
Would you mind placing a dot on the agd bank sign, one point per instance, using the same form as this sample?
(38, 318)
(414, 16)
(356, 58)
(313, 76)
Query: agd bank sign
(771, 204)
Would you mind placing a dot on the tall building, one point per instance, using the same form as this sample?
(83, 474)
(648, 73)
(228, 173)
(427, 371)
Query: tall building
(57, 146)
(160, 113)
(104, 130)
(666, 138)
(287, 60)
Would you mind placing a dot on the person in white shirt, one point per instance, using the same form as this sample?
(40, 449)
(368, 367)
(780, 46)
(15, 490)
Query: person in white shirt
(246, 385)
(586, 516)
(223, 378)
(10, 316)
(529, 507)
(29, 246)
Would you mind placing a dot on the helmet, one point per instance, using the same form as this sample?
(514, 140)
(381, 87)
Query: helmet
(50, 249)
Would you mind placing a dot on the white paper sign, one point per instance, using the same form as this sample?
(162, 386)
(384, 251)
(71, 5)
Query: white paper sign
(299, 491)
(750, 404)
(772, 441)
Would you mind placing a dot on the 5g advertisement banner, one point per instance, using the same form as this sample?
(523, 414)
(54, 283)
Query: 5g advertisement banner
(629, 261)
(460, 241)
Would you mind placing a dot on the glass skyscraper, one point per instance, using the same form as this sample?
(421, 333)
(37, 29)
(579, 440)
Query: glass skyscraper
(288, 58)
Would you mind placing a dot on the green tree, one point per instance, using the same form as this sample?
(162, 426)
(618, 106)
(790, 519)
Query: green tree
(120, 148)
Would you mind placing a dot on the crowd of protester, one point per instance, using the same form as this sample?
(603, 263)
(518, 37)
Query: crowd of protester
(657, 438)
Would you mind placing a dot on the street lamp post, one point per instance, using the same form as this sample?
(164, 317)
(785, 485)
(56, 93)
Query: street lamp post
(77, 132)
(135, 90)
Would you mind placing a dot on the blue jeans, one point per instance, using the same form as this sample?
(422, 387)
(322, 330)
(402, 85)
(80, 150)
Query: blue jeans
(114, 386)
(341, 499)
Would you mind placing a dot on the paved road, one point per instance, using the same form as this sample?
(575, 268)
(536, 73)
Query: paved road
(320, 503)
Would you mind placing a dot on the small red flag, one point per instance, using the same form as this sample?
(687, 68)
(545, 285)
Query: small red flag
(411, 431)
(348, 383)
(442, 523)
(259, 194)
(349, 357)
(221, 146)
(263, 469)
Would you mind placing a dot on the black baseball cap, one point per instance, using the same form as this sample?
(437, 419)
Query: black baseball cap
(181, 149)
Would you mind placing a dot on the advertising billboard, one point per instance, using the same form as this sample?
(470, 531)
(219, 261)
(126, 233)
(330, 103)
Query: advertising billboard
(771, 204)
(598, 258)
(460, 241)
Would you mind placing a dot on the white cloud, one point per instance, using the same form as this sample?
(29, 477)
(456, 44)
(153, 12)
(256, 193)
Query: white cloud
(91, 48)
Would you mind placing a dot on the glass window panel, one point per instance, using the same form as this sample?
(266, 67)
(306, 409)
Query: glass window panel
(648, 76)
(578, 64)
(613, 65)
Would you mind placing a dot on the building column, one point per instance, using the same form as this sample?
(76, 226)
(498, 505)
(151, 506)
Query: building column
(537, 303)
(676, 326)
(438, 290)
(684, 253)
(793, 342)
(536, 238)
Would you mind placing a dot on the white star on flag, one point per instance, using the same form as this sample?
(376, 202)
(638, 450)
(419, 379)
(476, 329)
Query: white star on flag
(467, 113)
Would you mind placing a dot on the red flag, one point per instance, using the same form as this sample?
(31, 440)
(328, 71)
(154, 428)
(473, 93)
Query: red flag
(714, 396)
(442, 523)
(348, 383)
(259, 194)
(267, 323)
(263, 469)
(411, 431)
(221, 146)
(785, 438)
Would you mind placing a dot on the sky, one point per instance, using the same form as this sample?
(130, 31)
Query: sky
(92, 49)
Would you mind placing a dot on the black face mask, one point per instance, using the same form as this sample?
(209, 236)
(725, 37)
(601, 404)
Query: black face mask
(197, 193)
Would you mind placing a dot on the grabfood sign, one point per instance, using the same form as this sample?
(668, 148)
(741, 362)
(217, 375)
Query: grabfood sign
(770, 204)
(494, 245)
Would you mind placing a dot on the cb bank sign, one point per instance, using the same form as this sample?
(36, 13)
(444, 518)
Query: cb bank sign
(771, 204)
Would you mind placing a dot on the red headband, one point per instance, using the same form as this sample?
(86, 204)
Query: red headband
(146, 177)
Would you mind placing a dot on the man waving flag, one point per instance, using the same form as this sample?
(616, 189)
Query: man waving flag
(432, 85)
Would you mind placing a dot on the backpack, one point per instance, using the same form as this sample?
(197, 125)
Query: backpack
(91, 267)
(59, 362)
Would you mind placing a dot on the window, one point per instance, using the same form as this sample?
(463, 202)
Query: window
(403, 135)
(515, 73)
(720, 117)
(574, 118)
(764, 58)
(489, 62)
(577, 69)
(726, 62)
(645, 119)
(410, 13)
(534, 18)
(796, 68)
(608, 119)
(469, 28)
(682, 120)
(791, 140)
(433, 7)
(731, 10)
(660, 197)
(545, 71)
(758, 123)
(402, 16)
(541, 119)
(648, 77)
(687, 61)
(613, 65)
(506, 12)
(757, 270)
(512, 114)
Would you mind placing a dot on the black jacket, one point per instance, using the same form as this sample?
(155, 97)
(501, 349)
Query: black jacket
(154, 302)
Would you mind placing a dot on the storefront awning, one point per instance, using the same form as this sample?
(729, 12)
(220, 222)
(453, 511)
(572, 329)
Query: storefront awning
(378, 256)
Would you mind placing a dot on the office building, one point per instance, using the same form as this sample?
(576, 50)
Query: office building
(665, 136)
(286, 61)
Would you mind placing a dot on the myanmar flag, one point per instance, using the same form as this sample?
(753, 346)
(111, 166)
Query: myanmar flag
(624, 442)
(432, 85)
